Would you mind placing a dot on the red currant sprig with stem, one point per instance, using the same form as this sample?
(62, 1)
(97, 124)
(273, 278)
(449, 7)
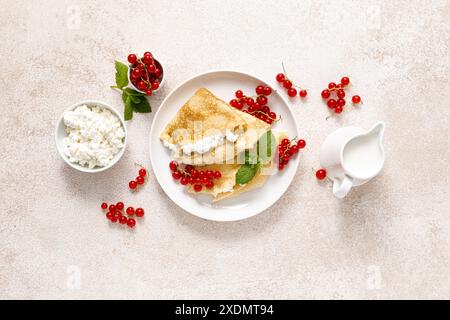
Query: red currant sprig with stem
(288, 148)
(289, 85)
(117, 213)
(197, 178)
(140, 179)
(335, 95)
(145, 74)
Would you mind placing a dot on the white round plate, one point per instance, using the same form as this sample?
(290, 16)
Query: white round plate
(223, 84)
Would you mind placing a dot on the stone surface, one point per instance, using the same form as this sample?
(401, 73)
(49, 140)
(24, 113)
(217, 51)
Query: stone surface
(388, 239)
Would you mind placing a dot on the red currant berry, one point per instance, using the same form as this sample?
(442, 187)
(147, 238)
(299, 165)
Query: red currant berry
(140, 180)
(139, 212)
(341, 102)
(288, 84)
(120, 205)
(189, 168)
(130, 211)
(345, 81)
(173, 165)
(259, 89)
(280, 166)
(136, 73)
(303, 93)
(148, 92)
(141, 85)
(239, 94)
(132, 184)
(285, 142)
(109, 215)
(356, 99)
(326, 94)
(338, 109)
(198, 187)
(321, 174)
(301, 143)
(292, 92)
(262, 100)
(176, 175)
(123, 220)
(250, 101)
(184, 181)
(147, 59)
(341, 93)
(234, 103)
(217, 175)
(143, 172)
(272, 115)
(280, 77)
(131, 223)
(112, 208)
(155, 85)
(132, 58)
(209, 184)
(267, 91)
(331, 85)
(295, 149)
(158, 72)
(104, 206)
(151, 68)
(147, 53)
(331, 103)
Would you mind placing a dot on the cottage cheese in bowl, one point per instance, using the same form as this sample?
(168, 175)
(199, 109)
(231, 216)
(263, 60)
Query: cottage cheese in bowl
(94, 137)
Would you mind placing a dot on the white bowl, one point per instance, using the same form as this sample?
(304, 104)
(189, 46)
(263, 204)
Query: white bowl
(131, 85)
(60, 134)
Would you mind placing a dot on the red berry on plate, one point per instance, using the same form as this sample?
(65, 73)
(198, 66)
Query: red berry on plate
(132, 184)
(345, 81)
(285, 142)
(267, 91)
(176, 175)
(130, 211)
(331, 103)
(131, 223)
(326, 94)
(303, 93)
(184, 181)
(280, 166)
(120, 205)
(301, 143)
(262, 100)
(132, 58)
(287, 84)
(356, 99)
(295, 149)
(259, 89)
(338, 109)
(292, 92)
(139, 212)
(280, 77)
(173, 165)
(123, 220)
(321, 174)
(341, 93)
(217, 175)
(140, 180)
(104, 206)
(209, 184)
(198, 187)
(239, 94)
(331, 85)
(142, 172)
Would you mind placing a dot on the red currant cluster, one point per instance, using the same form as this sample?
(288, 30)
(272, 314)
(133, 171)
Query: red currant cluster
(339, 89)
(321, 174)
(197, 178)
(256, 105)
(146, 73)
(116, 213)
(140, 179)
(288, 148)
(290, 87)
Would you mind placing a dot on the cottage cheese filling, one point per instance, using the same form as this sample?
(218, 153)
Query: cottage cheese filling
(204, 145)
(95, 136)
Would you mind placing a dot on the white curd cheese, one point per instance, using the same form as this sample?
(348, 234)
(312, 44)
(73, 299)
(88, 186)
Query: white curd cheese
(95, 136)
(204, 145)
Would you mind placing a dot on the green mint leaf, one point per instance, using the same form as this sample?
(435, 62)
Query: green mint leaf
(135, 99)
(250, 157)
(133, 92)
(121, 74)
(128, 112)
(246, 173)
(143, 106)
(124, 97)
(266, 146)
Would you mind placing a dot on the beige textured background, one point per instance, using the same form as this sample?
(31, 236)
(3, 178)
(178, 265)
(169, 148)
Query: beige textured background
(388, 239)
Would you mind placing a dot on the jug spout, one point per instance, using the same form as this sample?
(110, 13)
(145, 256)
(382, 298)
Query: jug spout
(378, 130)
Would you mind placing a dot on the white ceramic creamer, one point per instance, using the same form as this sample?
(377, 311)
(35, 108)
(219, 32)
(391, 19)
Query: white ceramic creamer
(352, 156)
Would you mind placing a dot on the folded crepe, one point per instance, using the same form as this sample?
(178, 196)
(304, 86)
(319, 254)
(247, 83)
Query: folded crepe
(207, 130)
(226, 187)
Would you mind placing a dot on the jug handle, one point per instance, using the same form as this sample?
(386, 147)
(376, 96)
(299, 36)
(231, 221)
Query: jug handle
(342, 186)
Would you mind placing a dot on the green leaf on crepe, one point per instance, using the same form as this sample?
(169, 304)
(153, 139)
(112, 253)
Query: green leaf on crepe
(266, 146)
(143, 106)
(121, 74)
(128, 113)
(246, 173)
(250, 157)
